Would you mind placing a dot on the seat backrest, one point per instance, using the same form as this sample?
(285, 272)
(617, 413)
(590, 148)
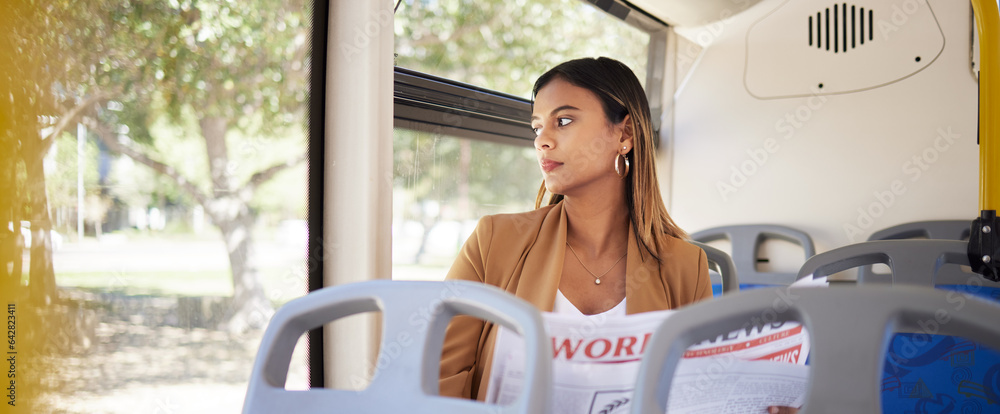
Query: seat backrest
(848, 328)
(746, 241)
(911, 371)
(913, 262)
(933, 229)
(724, 270)
(410, 382)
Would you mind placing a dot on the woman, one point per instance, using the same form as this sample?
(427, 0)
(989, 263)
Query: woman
(604, 243)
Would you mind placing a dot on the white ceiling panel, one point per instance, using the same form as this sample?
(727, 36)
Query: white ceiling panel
(693, 12)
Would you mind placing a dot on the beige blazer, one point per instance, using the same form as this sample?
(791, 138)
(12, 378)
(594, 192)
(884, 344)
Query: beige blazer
(522, 254)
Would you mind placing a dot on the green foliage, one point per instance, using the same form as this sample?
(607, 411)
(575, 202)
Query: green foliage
(237, 59)
(109, 48)
(228, 59)
(504, 45)
(160, 67)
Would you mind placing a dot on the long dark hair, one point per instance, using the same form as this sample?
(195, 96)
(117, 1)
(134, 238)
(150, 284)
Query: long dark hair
(621, 94)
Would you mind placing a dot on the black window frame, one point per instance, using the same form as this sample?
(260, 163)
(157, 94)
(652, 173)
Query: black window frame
(429, 103)
(316, 181)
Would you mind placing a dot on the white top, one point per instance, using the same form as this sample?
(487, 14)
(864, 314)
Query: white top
(563, 305)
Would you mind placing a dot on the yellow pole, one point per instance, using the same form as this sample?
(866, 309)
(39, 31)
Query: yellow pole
(988, 28)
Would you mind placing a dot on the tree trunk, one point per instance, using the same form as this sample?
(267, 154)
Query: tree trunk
(11, 242)
(213, 129)
(464, 169)
(42, 278)
(428, 224)
(462, 175)
(251, 308)
(11, 252)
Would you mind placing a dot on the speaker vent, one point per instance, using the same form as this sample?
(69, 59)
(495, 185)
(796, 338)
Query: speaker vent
(835, 28)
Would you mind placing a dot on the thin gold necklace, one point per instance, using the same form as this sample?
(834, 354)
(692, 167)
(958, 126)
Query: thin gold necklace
(597, 279)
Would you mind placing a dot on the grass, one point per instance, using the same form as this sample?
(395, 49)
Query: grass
(204, 283)
(279, 284)
(186, 265)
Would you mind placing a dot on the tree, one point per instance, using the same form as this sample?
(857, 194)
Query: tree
(232, 68)
(505, 45)
(28, 49)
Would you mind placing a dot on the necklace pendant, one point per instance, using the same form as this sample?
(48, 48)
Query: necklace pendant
(597, 281)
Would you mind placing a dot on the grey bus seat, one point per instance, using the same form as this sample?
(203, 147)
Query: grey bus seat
(410, 382)
(932, 229)
(914, 262)
(848, 328)
(911, 373)
(746, 241)
(724, 270)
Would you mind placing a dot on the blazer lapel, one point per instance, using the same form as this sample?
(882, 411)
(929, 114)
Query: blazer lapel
(644, 288)
(542, 270)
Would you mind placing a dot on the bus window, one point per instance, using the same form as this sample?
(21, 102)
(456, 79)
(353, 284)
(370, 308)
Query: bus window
(158, 162)
(505, 45)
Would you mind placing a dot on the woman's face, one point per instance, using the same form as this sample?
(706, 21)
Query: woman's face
(575, 142)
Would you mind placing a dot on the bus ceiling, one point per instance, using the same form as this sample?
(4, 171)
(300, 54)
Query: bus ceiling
(690, 13)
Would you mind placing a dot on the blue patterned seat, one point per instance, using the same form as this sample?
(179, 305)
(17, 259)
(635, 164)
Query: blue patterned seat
(920, 371)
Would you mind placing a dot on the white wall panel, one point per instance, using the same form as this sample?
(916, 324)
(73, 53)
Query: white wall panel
(357, 243)
(825, 164)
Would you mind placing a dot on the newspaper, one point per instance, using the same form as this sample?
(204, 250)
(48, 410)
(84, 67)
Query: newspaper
(596, 361)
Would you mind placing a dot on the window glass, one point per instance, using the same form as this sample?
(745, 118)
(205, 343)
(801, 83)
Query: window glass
(504, 45)
(442, 186)
(159, 197)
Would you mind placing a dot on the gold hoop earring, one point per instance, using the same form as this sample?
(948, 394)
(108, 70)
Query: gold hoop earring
(619, 160)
